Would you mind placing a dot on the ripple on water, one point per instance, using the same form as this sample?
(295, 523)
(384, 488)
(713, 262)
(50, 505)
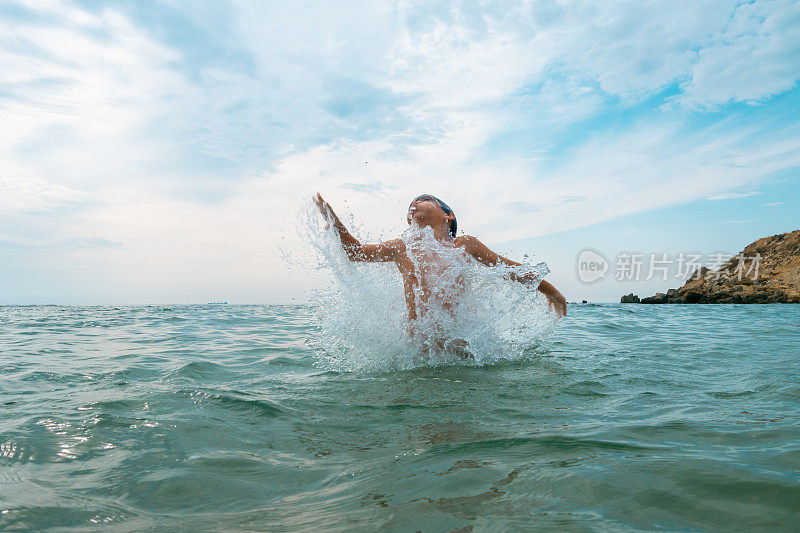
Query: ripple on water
(234, 401)
(79, 514)
(199, 370)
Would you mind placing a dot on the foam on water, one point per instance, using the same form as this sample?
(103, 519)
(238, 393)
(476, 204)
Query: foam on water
(362, 313)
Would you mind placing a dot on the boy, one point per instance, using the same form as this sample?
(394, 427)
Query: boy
(421, 269)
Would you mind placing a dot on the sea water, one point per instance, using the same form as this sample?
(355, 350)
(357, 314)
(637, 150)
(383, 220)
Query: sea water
(627, 417)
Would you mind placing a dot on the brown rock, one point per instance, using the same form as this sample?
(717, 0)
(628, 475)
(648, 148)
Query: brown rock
(766, 271)
(658, 298)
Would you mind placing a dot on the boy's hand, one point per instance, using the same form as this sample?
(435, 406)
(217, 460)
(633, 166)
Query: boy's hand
(558, 306)
(325, 209)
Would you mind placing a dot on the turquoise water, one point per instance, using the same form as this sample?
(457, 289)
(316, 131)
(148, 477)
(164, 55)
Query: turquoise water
(223, 418)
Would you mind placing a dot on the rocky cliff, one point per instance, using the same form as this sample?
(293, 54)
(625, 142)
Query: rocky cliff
(766, 271)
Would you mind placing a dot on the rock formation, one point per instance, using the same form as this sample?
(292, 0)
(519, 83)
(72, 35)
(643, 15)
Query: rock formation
(766, 271)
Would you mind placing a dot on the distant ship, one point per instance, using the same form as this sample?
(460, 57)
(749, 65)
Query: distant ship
(217, 303)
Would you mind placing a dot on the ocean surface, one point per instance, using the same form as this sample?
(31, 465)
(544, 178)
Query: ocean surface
(203, 418)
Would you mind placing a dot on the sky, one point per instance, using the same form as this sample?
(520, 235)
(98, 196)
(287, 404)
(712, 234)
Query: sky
(165, 152)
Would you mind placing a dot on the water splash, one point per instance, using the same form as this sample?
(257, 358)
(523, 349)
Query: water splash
(474, 314)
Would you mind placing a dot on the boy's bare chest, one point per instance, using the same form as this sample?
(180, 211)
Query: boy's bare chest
(431, 267)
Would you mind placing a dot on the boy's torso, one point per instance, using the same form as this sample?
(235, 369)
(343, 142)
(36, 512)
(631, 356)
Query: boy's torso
(432, 275)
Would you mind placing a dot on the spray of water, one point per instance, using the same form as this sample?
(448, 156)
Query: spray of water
(474, 314)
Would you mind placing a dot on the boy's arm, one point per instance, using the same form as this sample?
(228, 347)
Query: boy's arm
(557, 300)
(484, 255)
(385, 251)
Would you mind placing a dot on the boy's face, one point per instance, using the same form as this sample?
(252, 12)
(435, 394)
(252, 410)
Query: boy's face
(425, 211)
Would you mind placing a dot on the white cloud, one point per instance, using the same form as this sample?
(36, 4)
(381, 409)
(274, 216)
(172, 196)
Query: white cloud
(732, 195)
(73, 102)
(753, 58)
(20, 193)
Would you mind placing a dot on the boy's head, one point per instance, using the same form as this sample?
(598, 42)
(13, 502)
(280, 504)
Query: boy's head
(427, 210)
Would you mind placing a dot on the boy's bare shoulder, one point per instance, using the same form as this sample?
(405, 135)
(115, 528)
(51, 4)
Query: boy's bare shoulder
(467, 241)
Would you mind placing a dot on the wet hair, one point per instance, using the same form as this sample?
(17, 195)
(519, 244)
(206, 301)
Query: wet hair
(444, 206)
